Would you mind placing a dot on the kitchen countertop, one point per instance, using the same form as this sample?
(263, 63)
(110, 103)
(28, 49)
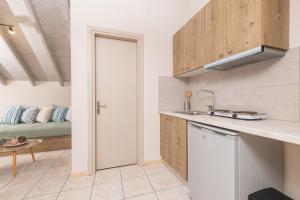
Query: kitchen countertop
(285, 131)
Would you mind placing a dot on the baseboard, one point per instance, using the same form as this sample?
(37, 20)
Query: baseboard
(151, 162)
(79, 174)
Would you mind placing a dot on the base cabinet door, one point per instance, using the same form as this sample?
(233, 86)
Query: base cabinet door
(173, 143)
(178, 147)
(165, 138)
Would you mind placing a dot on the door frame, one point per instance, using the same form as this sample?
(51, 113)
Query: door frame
(92, 33)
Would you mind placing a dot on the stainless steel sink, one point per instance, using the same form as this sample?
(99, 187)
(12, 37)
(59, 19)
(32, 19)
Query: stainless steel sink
(190, 112)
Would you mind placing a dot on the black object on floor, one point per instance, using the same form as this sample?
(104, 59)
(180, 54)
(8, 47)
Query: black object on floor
(268, 194)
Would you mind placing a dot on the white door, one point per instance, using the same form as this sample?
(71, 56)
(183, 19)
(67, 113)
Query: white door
(116, 95)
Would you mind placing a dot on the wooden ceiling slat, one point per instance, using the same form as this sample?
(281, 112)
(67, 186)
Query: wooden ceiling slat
(18, 57)
(35, 21)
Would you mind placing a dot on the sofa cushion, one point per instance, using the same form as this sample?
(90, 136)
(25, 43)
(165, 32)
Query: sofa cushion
(44, 114)
(12, 115)
(59, 114)
(68, 115)
(29, 115)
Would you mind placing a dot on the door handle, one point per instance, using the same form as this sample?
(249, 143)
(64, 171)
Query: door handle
(99, 106)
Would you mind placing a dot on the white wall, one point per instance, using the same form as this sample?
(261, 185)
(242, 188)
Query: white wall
(23, 93)
(157, 20)
(295, 23)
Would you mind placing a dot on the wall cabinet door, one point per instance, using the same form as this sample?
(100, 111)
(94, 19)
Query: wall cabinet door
(275, 23)
(188, 45)
(243, 25)
(165, 138)
(197, 39)
(215, 31)
(178, 53)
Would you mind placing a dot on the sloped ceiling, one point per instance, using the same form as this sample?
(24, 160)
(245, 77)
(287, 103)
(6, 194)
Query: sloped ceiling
(40, 49)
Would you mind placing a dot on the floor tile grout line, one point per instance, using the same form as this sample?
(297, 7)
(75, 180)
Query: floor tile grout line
(62, 187)
(122, 183)
(93, 185)
(39, 178)
(12, 178)
(151, 184)
(42, 176)
(140, 195)
(52, 193)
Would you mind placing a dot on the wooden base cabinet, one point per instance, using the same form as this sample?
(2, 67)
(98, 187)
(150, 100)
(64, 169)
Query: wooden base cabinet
(173, 143)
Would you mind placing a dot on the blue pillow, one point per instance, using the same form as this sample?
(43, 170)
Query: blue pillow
(59, 114)
(29, 115)
(12, 115)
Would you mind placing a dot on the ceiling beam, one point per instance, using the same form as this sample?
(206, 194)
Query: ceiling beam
(35, 21)
(67, 10)
(19, 58)
(2, 79)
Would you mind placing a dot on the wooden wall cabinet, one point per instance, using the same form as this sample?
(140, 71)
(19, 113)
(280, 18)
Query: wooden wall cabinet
(188, 45)
(215, 30)
(227, 27)
(173, 143)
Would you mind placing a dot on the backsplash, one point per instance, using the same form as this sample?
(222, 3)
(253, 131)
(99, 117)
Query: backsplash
(171, 93)
(270, 87)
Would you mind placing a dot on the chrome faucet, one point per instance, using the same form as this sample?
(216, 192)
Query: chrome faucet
(211, 108)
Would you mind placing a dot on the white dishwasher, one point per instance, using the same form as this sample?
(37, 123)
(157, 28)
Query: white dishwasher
(226, 165)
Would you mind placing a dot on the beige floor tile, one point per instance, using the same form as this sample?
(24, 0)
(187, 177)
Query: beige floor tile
(43, 163)
(29, 175)
(155, 168)
(185, 188)
(108, 191)
(4, 161)
(150, 196)
(162, 181)
(58, 171)
(77, 194)
(136, 186)
(44, 197)
(16, 191)
(108, 175)
(47, 186)
(132, 171)
(63, 161)
(5, 178)
(173, 194)
(78, 182)
(67, 153)
(52, 154)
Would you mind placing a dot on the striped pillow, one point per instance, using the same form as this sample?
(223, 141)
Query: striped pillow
(29, 115)
(12, 115)
(59, 114)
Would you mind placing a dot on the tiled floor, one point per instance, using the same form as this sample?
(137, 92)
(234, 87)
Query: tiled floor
(49, 179)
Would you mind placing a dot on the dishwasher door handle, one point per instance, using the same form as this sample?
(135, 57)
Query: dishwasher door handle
(214, 130)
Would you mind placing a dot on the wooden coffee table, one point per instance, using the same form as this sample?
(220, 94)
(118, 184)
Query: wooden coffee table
(31, 143)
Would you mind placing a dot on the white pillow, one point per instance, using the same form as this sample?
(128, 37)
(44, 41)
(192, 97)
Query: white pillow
(68, 115)
(44, 114)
